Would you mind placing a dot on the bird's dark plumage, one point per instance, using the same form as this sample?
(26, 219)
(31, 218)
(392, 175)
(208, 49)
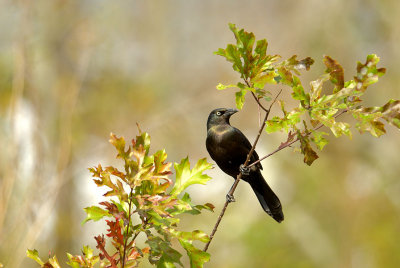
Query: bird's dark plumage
(229, 148)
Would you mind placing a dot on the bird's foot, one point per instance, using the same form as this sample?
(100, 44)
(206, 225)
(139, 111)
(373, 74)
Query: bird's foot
(244, 170)
(230, 198)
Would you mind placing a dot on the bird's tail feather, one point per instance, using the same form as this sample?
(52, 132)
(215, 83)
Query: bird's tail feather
(267, 198)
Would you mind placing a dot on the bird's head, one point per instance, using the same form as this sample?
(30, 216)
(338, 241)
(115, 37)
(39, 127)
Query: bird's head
(220, 116)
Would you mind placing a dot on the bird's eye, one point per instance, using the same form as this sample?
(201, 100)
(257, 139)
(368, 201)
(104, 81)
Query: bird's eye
(219, 113)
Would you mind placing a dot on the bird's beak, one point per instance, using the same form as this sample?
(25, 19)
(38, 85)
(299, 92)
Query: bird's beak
(231, 111)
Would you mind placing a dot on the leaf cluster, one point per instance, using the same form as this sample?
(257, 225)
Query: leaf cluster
(149, 208)
(317, 106)
(257, 68)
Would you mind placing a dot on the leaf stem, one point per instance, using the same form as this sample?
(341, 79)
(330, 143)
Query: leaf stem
(127, 229)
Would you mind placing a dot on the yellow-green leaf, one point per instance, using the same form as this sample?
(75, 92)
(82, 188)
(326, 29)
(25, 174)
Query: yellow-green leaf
(186, 177)
(34, 255)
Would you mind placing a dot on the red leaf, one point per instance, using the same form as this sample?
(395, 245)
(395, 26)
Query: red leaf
(115, 231)
(101, 243)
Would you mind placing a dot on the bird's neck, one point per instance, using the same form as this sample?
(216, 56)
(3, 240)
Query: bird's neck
(219, 130)
(223, 124)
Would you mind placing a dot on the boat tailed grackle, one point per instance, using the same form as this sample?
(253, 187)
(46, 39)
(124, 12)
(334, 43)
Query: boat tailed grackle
(229, 148)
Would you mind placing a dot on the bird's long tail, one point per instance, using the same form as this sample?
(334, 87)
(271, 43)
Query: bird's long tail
(267, 198)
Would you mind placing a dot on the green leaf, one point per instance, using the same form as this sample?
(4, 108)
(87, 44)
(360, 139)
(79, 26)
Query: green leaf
(273, 125)
(299, 94)
(88, 252)
(197, 257)
(119, 144)
(165, 262)
(54, 262)
(391, 112)
(261, 48)
(326, 117)
(186, 177)
(185, 205)
(222, 87)
(143, 140)
(294, 116)
(244, 42)
(316, 88)
(95, 213)
(286, 123)
(375, 127)
(265, 78)
(369, 122)
(73, 262)
(232, 54)
(240, 98)
(34, 255)
(367, 73)
(368, 118)
(207, 206)
(319, 140)
(340, 128)
(191, 236)
(162, 253)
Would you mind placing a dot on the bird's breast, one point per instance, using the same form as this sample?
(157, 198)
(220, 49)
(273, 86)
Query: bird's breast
(219, 140)
(225, 149)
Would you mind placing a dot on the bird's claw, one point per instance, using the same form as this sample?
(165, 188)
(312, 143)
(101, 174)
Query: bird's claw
(244, 170)
(230, 198)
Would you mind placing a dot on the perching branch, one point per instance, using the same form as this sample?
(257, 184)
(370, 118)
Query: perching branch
(233, 188)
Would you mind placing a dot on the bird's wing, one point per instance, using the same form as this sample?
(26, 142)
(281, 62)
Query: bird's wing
(241, 138)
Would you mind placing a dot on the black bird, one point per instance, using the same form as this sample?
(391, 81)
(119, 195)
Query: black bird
(229, 148)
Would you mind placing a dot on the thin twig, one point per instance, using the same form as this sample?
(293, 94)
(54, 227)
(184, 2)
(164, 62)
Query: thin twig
(258, 102)
(127, 228)
(259, 115)
(255, 97)
(233, 188)
(290, 143)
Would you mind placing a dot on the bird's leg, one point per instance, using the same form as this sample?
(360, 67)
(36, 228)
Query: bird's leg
(229, 197)
(244, 170)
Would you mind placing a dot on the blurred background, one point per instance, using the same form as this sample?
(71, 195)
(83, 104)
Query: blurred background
(73, 71)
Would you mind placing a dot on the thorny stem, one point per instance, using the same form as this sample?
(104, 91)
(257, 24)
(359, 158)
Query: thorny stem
(127, 229)
(233, 188)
